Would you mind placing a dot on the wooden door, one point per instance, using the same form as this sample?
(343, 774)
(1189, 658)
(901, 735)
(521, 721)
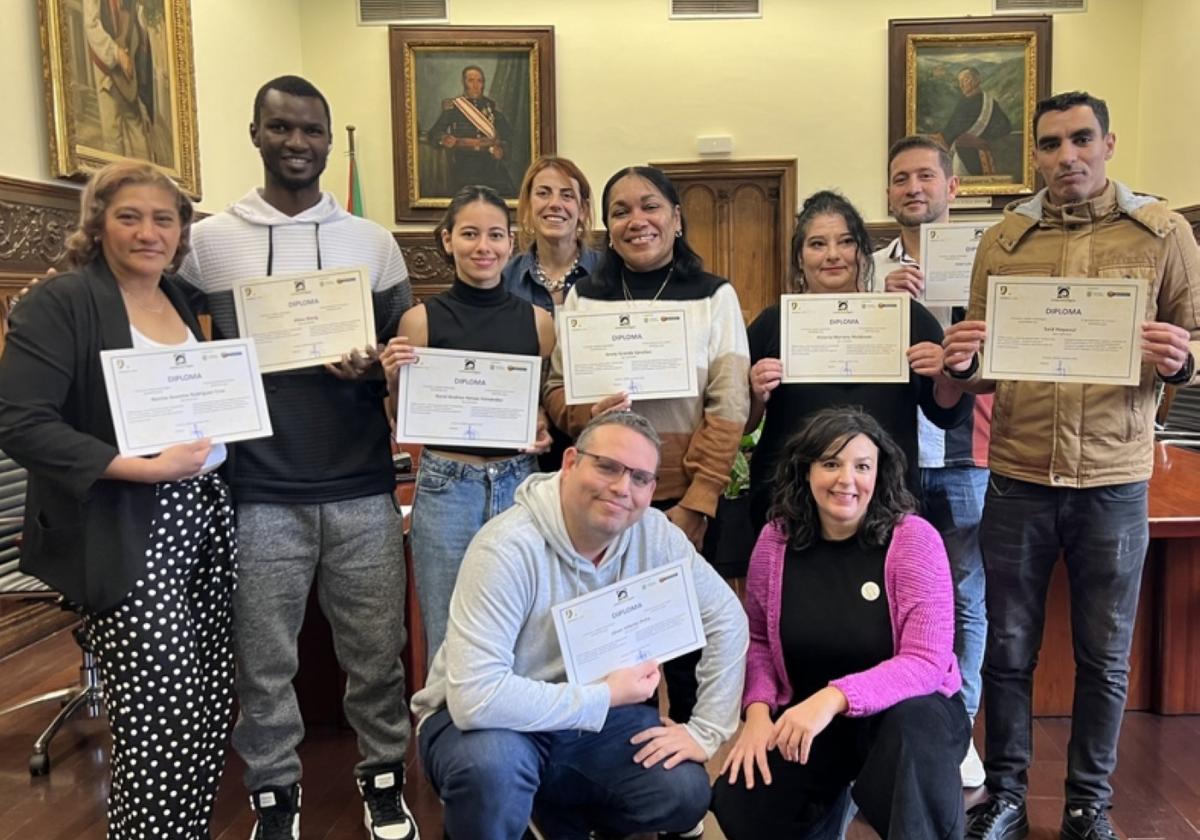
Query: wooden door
(739, 218)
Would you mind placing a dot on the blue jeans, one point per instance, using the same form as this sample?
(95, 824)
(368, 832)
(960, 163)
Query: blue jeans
(1103, 534)
(954, 505)
(493, 780)
(452, 501)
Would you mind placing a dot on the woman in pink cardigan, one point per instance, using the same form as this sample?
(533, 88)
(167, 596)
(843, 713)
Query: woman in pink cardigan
(851, 675)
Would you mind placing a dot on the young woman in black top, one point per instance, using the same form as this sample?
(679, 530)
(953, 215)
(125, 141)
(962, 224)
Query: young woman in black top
(458, 489)
(831, 254)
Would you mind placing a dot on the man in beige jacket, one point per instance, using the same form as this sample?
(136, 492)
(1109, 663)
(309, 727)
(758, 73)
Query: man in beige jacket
(1070, 462)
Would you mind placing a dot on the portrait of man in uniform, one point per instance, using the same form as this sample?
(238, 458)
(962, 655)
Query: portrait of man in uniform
(471, 105)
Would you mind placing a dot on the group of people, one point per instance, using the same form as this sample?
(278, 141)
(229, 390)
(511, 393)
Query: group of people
(889, 515)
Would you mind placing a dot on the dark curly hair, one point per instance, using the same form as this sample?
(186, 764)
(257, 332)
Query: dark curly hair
(831, 203)
(822, 434)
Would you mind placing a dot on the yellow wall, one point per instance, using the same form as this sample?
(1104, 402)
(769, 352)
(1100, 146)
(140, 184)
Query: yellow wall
(238, 45)
(1170, 101)
(808, 80)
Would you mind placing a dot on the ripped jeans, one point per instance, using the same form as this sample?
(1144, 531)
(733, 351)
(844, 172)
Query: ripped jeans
(1103, 534)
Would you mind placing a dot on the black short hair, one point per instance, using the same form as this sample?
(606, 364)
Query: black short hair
(687, 262)
(295, 86)
(921, 141)
(1067, 101)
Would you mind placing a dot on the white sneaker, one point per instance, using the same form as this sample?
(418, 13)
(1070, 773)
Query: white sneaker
(385, 813)
(971, 769)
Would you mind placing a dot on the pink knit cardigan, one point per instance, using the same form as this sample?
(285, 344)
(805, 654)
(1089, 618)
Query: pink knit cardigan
(921, 604)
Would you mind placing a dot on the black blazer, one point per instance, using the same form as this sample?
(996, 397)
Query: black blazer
(84, 535)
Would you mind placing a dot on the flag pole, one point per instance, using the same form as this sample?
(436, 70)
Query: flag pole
(354, 202)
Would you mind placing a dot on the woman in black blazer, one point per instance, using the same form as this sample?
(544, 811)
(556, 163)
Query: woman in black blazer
(144, 546)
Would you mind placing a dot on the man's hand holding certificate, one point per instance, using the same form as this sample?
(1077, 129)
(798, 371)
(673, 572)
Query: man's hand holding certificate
(461, 398)
(651, 616)
(300, 320)
(644, 352)
(844, 338)
(164, 396)
(1064, 329)
(947, 254)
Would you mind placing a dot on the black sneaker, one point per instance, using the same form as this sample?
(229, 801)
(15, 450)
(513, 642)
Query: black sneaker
(695, 831)
(385, 813)
(278, 811)
(997, 819)
(1087, 824)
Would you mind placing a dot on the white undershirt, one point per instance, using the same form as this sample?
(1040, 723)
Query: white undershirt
(216, 455)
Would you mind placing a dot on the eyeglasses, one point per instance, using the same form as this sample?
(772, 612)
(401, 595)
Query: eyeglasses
(612, 470)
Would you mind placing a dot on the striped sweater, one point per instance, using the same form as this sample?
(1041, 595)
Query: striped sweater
(700, 435)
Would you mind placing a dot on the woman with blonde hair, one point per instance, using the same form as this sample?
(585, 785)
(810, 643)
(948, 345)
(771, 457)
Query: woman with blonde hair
(554, 215)
(143, 546)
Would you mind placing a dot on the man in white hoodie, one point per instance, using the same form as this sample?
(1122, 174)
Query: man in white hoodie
(502, 734)
(315, 500)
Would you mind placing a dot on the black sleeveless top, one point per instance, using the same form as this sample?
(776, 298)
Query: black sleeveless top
(483, 320)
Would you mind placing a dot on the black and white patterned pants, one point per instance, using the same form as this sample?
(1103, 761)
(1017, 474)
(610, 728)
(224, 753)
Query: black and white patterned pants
(166, 660)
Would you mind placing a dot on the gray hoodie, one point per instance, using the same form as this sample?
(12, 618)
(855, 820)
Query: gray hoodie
(500, 666)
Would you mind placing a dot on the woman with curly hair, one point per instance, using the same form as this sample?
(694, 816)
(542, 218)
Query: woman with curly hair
(851, 674)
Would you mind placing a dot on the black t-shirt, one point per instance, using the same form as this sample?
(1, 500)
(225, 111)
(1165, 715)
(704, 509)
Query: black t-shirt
(894, 405)
(833, 617)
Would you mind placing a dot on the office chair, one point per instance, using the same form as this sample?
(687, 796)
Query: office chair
(86, 695)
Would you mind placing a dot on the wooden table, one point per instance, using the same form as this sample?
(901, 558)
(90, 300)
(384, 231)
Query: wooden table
(1164, 663)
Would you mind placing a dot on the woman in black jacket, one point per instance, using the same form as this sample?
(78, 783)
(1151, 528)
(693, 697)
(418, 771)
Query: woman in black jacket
(144, 546)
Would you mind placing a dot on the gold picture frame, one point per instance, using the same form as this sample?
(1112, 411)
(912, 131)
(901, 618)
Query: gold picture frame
(438, 145)
(973, 83)
(120, 84)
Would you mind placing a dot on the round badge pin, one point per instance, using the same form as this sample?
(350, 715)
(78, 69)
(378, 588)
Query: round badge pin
(870, 591)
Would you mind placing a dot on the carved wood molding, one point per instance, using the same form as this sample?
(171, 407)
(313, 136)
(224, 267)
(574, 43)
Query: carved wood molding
(35, 219)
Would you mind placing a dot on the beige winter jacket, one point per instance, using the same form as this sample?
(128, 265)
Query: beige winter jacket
(1072, 435)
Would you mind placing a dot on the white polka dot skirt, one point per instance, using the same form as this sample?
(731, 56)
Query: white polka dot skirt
(166, 659)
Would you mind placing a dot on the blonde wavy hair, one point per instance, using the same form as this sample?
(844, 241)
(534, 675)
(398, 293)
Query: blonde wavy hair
(83, 245)
(525, 232)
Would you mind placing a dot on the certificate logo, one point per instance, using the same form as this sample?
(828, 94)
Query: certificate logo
(978, 233)
(120, 364)
(622, 595)
(574, 323)
(1064, 293)
(1002, 291)
(180, 358)
(795, 305)
(623, 321)
(247, 291)
(300, 285)
(569, 614)
(843, 306)
(468, 364)
(933, 234)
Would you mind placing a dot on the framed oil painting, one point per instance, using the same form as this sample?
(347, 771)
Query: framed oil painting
(469, 106)
(972, 83)
(120, 83)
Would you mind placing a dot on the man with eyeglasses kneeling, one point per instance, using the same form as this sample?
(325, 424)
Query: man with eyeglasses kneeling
(503, 735)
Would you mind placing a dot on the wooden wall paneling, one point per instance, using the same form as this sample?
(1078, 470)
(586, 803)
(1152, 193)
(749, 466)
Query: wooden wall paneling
(740, 215)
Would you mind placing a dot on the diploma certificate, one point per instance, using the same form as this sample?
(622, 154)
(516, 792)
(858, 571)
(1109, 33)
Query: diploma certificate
(844, 338)
(1064, 329)
(645, 352)
(163, 396)
(947, 254)
(461, 398)
(653, 615)
(301, 320)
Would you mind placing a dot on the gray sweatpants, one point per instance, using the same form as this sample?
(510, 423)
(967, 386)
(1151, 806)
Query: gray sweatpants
(355, 550)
